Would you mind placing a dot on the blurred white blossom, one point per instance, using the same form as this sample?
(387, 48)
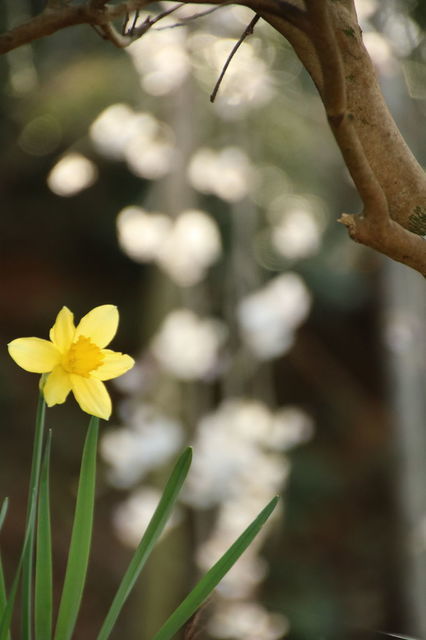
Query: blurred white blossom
(242, 435)
(238, 465)
(297, 235)
(141, 234)
(115, 127)
(71, 174)
(183, 248)
(150, 159)
(247, 621)
(270, 316)
(297, 224)
(149, 440)
(160, 58)
(290, 427)
(145, 143)
(227, 174)
(192, 245)
(188, 345)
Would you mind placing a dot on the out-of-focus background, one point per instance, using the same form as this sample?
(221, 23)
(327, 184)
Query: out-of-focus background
(291, 358)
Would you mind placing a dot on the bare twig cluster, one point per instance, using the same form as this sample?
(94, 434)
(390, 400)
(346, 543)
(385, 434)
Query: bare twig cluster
(327, 38)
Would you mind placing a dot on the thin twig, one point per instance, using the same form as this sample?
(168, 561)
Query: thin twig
(125, 23)
(127, 36)
(194, 16)
(247, 32)
(136, 32)
(135, 19)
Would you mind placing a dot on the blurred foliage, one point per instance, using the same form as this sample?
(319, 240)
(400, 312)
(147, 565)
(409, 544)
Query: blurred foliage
(419, 13)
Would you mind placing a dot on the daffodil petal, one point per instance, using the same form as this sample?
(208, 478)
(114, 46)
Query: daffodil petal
(34, 354)
(62, 332)
(57, 386)
(99, 325)
(114, 364)
(91, 395)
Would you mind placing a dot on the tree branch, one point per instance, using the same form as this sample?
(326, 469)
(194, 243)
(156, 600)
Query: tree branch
(390, 239)
(334, 99)
(391, 183)
(52, 19)
(374, 227)
(322, 35)
(57, 16)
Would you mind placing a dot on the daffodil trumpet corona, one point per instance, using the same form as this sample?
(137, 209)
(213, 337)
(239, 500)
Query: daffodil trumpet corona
(75, 359)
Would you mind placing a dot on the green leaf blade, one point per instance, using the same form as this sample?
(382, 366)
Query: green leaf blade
(78, 555)
(211, 579)
(151, 535)
(27, 569)
(43, 567)
(6, 616)
(3, 511)
(3, 593)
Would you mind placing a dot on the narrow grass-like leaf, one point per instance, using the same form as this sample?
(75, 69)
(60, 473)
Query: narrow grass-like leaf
(27, 569)
(6, 616)
(78, 555)
(43, 568)
(3, 511)
(151, 535)
(396, 635)
(3, 594)
(210, 580)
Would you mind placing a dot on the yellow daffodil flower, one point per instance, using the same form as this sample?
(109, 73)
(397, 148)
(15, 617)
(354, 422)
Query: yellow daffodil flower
(75, 359)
